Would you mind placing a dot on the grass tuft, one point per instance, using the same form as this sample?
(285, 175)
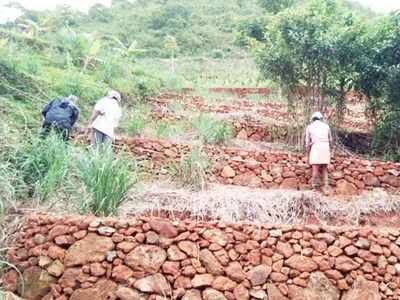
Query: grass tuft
(212, 131)
(107, 179)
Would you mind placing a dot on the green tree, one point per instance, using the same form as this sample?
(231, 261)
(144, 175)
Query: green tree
(308, 50)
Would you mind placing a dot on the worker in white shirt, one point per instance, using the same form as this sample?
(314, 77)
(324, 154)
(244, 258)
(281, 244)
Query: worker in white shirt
(318, 145)
(105, 118)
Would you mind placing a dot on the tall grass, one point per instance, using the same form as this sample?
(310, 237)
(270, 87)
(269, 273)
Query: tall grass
(212, 131)
(44, 164)
(107, 179)
(138, 119)
(192, 169)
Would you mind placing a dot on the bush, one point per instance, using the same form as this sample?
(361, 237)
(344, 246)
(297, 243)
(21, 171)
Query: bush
(107, 179)
(146, 86)
(44, 164)
(212, 131)
(192, 169)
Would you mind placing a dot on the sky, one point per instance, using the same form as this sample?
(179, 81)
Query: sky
(8, 14)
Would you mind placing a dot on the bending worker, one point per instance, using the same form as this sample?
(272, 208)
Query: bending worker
(318, 145)
(61, 115)
(105, 118)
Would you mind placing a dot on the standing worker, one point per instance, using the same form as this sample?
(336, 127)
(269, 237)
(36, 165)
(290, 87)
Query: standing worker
(105, 118)
(61, 115)
(318, 145)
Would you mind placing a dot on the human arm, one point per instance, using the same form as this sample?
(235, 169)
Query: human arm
(46, 109)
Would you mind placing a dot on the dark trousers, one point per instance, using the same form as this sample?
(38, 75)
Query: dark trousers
(59, 130)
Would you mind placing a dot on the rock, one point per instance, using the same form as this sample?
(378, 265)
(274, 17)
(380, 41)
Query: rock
(391, 180)
(302, 263)
(345, 264)
(39, 239)
(371, 180)
(285, 249)
(57, 231)
(235, 272)
(126, 247)
(10, 281)
(202, 280)
(222, 283)
(319, 287)
(106, 288)
(70, 278)
(274, 293)
(343, 187)
(259, 274)
(259, 294)
(242, 134)
(290, 184)
(86, 294)
(105, 230)
(154, 284)
(121, 273)
(146, 258)
(163, 227)
(211, 294)
(56, 268)
(189, 248)
(93, 248)
(228, 172)
(241, 293)
(192, 295)
(175, 254)
(363, 289)
(37, 283)
(96, 269)
(211, 264)
(125, 293)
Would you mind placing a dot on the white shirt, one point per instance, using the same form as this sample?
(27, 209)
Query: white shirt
(109, 119)
(317, 132)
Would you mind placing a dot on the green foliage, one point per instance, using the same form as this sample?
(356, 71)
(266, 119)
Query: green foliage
(275, 6)
(169, 129)
(107, 179)
(192, 169)
(138, 119)
(44, 163)
(212, 131)
(314, 46)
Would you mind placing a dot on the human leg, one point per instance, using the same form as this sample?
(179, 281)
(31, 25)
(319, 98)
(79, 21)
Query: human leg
(325, 178)
(315, 176)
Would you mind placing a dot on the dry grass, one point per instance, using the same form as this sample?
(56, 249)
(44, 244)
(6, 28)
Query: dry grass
(233, 204)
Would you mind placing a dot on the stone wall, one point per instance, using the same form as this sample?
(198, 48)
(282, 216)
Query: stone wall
(81, 258)
(269, 169)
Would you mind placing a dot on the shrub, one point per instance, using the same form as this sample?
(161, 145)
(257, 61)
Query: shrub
(212, 131)
(107, 179)
(192, 169)
(44, 164)
(168, 129)
(146, 86)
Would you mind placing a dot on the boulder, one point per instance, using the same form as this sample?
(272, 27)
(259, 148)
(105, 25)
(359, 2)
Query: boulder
(93, 248)
(228, 172)
(86, 294)
(346, 264)
(163, 227)
(216, 236)
(37, 283)
(154, 284)
(211, 294)
(210, 262)
(125, 293)
(192, 295)
(274, 293)
(190, 248)
(241, 292)
(319, 287)
(235, 272)
(343, 187)
(302, 263)
(259, 274)
(363, 289)
(146, 258)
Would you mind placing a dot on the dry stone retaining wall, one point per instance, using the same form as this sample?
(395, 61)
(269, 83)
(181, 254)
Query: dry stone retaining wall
(267, 169)
(81, 258)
